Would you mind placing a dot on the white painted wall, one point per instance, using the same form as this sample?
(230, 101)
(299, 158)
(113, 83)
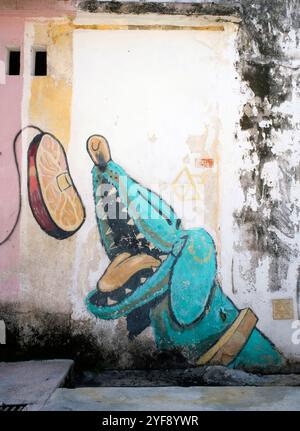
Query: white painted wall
(149, 93)
(152, 93)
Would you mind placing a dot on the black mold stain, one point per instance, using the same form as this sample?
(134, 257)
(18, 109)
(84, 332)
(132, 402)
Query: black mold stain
(246, 123)
(172, 8)
(259, 236)
(278, 270)
(37, 335)
(268, 230)
(258, 78)
(265, 23)
(41, 335)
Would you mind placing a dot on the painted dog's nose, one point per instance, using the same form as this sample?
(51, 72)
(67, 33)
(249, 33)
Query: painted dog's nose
(98, 149)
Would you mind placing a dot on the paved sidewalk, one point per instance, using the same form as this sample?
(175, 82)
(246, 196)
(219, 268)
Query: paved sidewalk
(37, 385)
(31, 383)
(175, 398)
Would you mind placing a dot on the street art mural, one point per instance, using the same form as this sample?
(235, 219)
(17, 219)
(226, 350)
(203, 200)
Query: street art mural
(165, 276)
(193, 249)
(160, 274)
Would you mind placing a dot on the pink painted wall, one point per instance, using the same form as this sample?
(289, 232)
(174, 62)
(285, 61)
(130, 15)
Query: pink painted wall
(32, 8)
(11, 35)
(13, 15)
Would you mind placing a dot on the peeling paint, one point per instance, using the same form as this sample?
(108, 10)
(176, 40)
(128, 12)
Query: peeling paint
(267, 226)
(244, 177)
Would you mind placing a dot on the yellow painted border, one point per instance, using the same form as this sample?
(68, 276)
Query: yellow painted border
(147, 27)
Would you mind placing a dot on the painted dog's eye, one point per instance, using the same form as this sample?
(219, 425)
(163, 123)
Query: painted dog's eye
(223, 315)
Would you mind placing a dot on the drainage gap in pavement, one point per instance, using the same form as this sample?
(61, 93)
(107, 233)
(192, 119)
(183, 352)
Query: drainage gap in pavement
(201, 376)
(12, 407)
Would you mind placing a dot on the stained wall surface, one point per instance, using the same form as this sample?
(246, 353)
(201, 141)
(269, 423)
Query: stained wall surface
(170, 237)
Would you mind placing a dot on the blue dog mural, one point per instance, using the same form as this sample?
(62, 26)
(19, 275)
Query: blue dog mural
(165, 276)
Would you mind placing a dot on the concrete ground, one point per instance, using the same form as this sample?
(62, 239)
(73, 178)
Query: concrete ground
(37, 385)
(175, 399)
(31, 383)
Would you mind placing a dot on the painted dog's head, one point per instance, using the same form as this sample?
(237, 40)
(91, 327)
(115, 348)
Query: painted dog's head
(150, 254)
(138, 231)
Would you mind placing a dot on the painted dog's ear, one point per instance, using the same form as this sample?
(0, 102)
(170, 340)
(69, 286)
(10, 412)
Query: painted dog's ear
(193, 276)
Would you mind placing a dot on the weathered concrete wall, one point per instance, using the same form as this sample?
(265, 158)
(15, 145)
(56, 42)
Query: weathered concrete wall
(266, 246)
(10, 113)
(232, 136)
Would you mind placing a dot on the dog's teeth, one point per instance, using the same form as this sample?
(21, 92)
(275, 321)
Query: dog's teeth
(154, 268)
(111, 301)
(128, 291)
(163, 257)
(112, 191)
(151, 246)
(130, 222)
(143, 279)
(108, 231)
(113, 245)
(140, 236)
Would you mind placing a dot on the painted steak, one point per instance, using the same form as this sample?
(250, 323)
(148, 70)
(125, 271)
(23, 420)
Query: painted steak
(54, 200)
